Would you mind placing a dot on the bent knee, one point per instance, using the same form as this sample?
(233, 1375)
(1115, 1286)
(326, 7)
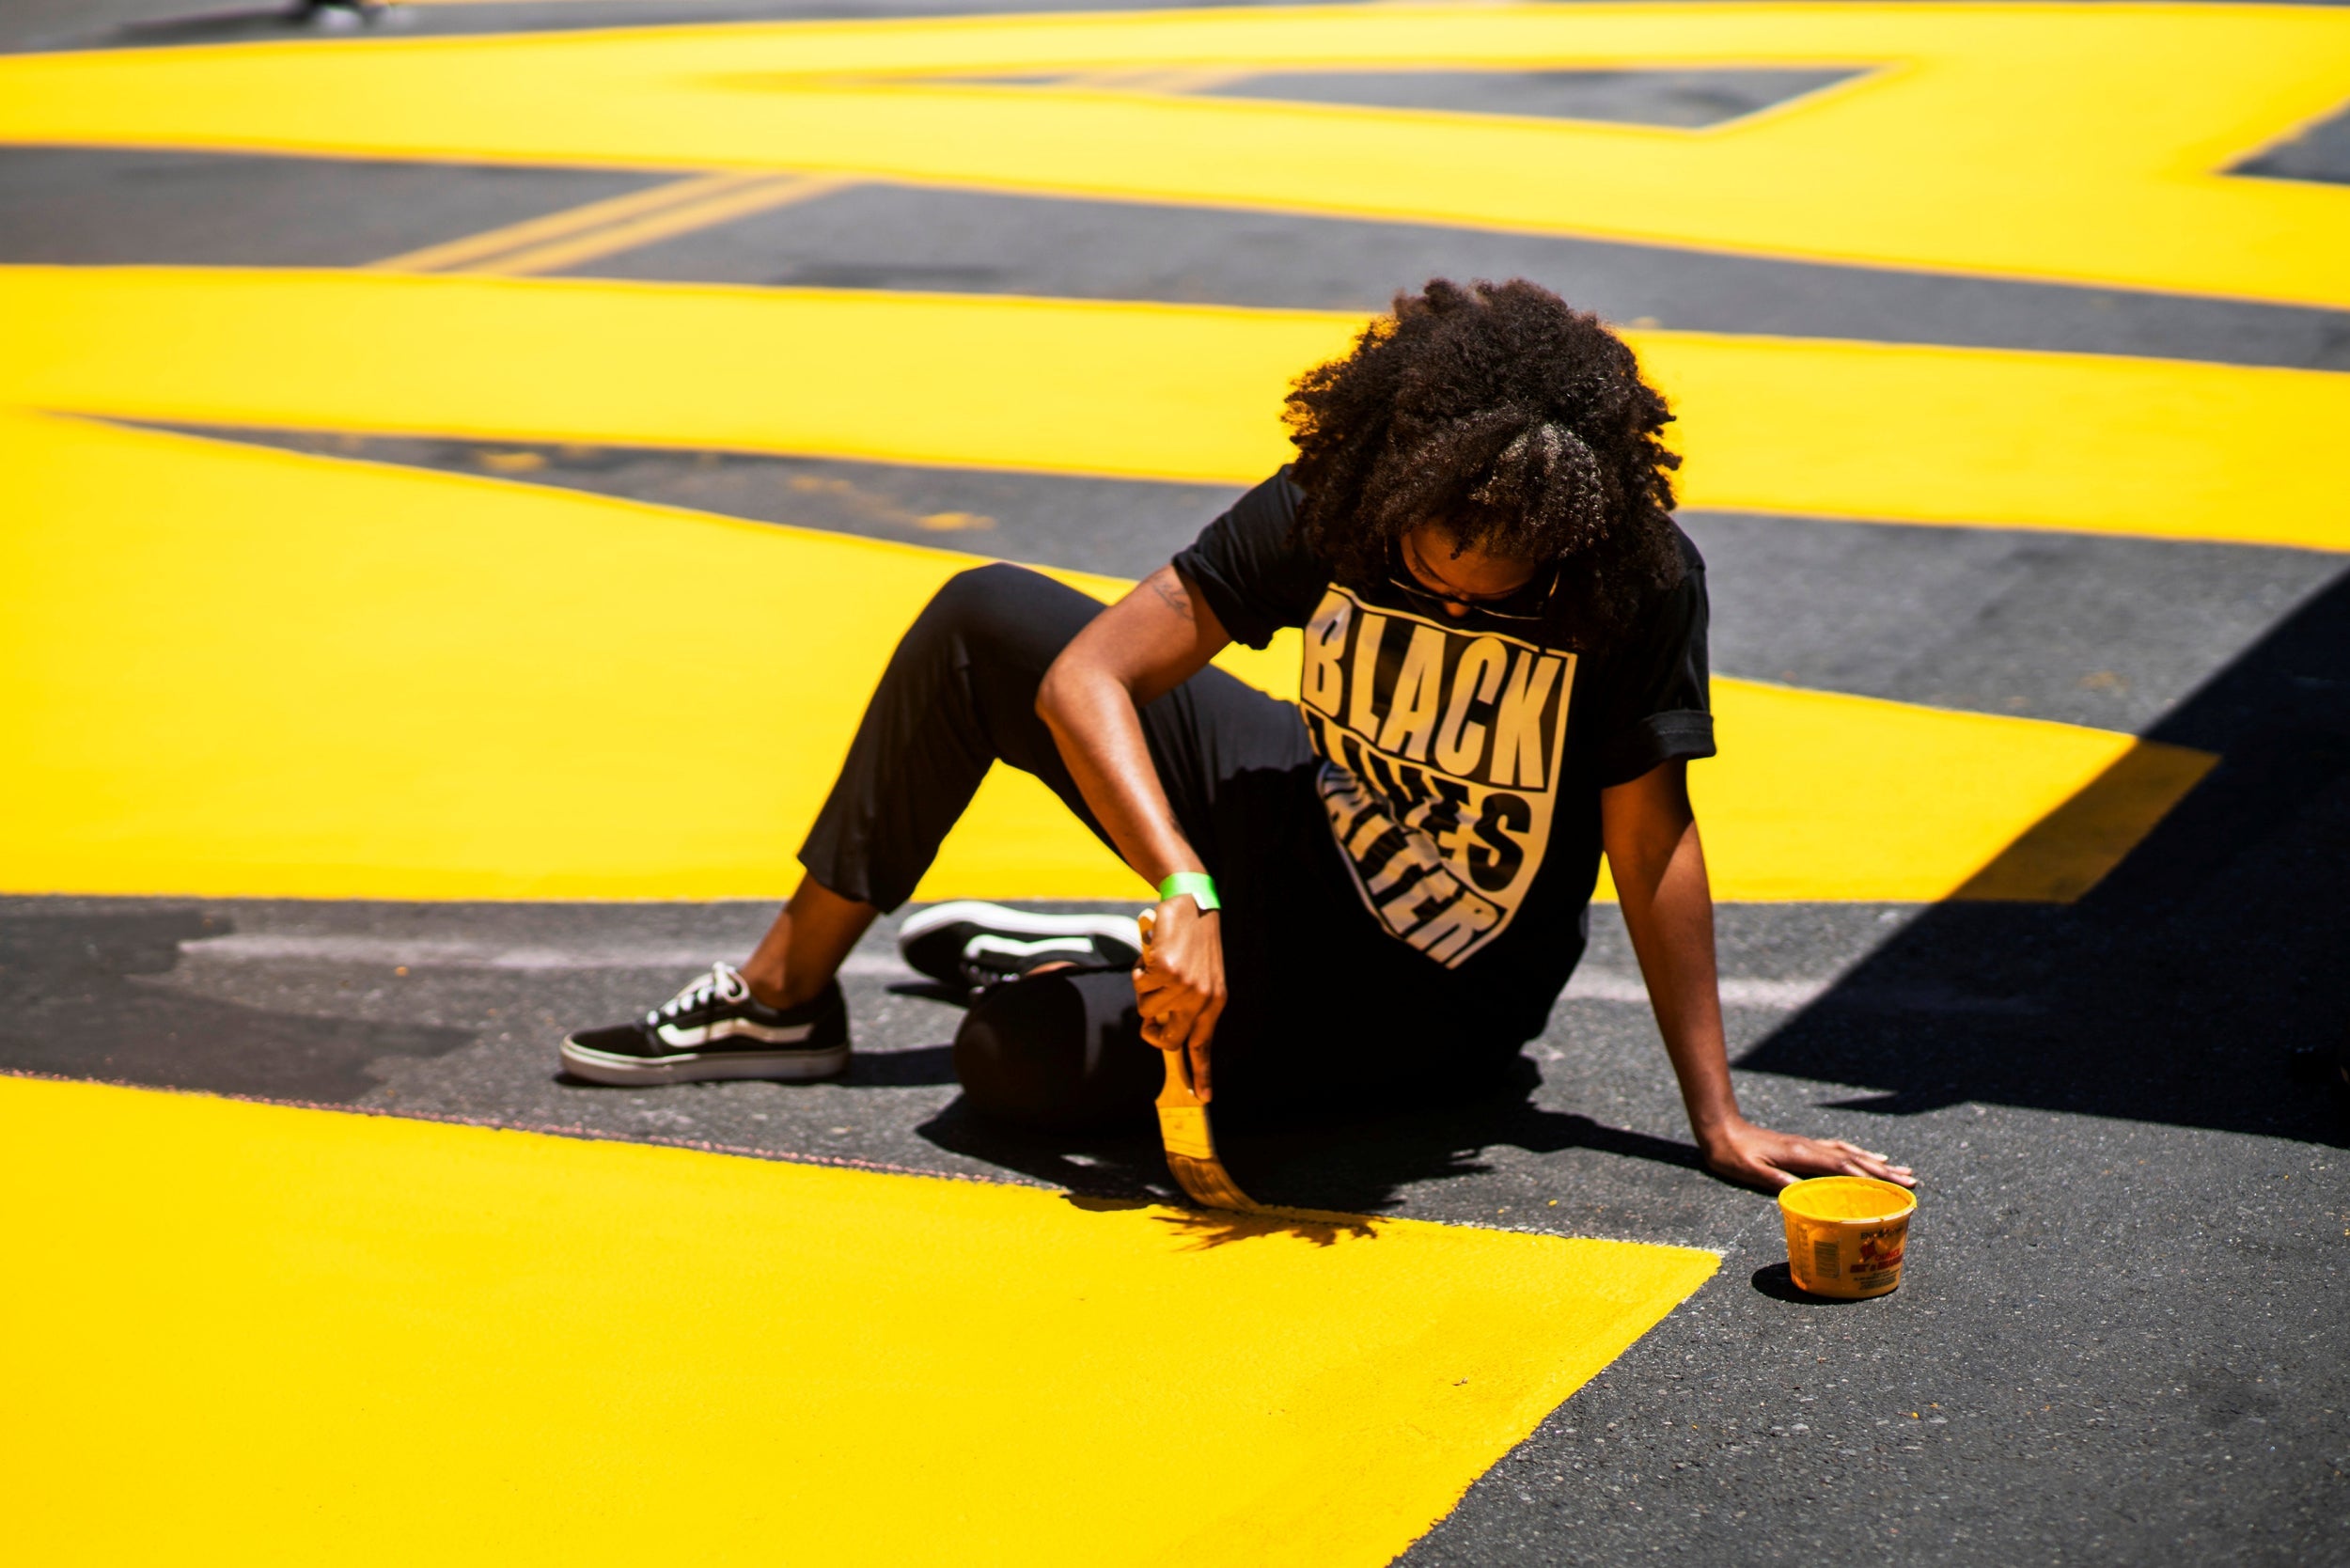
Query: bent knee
(1057, 1051)
(984, 597)
(1008, 617)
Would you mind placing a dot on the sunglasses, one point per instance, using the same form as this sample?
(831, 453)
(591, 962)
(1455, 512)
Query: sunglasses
(1530, 601)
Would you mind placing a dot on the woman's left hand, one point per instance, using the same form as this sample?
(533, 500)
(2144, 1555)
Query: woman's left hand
(1759, 1157)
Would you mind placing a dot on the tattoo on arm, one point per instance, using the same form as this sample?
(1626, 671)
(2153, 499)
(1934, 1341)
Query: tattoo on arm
(1171, 592)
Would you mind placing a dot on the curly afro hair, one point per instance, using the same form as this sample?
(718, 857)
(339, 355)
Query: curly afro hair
(1517, 423)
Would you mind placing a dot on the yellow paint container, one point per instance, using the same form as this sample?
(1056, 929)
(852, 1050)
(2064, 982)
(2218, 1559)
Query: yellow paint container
(1845, 1235)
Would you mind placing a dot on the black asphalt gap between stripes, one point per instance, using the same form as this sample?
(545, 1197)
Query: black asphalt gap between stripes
(2120, 1339)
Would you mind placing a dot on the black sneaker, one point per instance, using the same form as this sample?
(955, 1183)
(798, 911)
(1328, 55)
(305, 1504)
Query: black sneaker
(977, 945)
(715, 1028)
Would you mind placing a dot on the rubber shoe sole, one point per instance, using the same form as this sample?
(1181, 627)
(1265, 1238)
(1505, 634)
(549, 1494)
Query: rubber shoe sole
(685, 1067)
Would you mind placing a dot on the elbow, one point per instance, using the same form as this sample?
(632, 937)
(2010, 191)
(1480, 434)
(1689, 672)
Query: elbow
(1081, 690)
(1056, 695)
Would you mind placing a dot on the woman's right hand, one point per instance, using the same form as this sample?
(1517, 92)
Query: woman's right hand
(1179, 985)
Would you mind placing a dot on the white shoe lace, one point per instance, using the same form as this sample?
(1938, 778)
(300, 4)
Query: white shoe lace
(724, 983)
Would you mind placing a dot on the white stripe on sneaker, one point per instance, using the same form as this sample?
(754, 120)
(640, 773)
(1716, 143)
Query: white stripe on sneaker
(1019, 922)
(1002, 947)
(771, 1034)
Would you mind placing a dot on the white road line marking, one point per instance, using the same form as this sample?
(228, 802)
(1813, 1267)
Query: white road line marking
(1791, 996)
(1608, 985)
(269, 946)
(1588, 985)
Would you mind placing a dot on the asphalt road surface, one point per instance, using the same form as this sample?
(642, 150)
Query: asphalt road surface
(2121, 1338)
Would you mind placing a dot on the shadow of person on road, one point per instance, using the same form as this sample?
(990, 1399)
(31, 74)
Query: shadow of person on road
(2176, 988)
(1331, 1161)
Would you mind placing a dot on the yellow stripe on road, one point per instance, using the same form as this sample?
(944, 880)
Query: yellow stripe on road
(2086, 143)
(1916, 433)
(1817, 795)
(242, 672)
(1133, 391)
(1901, 432)
(252, 1334)
(269, 672)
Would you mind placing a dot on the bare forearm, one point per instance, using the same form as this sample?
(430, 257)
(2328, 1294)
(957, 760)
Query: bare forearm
(1098, 728)
(1136, 652)
(1659, 866)
(1669, 913)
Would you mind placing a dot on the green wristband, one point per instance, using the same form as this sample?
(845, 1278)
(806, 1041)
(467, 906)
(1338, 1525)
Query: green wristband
(1199, 885)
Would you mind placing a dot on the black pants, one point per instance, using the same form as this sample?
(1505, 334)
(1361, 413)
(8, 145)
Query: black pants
(1324, 1004)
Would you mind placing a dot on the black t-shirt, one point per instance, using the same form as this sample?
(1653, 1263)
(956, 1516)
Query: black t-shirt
(1463, 759)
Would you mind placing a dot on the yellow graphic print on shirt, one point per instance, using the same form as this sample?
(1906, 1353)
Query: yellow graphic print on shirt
(1440, 749)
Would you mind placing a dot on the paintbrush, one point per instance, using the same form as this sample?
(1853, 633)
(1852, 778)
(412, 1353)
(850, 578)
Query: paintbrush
(1183, 1129)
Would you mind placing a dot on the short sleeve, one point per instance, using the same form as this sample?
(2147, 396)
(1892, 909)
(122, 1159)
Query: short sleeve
(1664, 712)
(1253, 569)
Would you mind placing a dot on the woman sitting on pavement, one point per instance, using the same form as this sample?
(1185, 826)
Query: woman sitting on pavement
(1380, 888)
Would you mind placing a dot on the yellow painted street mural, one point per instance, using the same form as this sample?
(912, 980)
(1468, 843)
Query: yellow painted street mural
(2082, 142)
(249, 652)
